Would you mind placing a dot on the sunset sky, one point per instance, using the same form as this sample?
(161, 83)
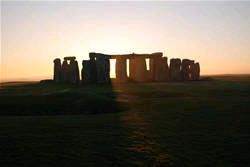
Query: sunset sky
(33, 34)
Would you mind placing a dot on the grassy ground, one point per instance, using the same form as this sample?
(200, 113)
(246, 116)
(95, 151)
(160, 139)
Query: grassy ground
(203, 123)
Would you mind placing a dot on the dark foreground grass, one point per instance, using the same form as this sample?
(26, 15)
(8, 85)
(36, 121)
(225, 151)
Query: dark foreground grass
(202, 123)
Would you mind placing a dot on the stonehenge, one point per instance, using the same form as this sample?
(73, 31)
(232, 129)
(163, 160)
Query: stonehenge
(159, 69)
(138, 69)
(68, 72)
(88, 71)
(187, 66)
(97, 69)
(175, 70)
(57, 70)
(121, 69)
(196, 71)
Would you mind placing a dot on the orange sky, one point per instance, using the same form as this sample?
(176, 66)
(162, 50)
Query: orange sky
(216, 34)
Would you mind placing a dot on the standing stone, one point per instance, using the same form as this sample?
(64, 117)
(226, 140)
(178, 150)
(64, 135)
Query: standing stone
(132, 68)
(102, 67)
(196, 72)
(192, 72)
(175, 70)
(121, 69)
(74, 72)
(66, 72)
(88, 71)
(57, 70)
(139, 69)
(97, 69)
(152, 69)
(186, 69)
(159, 67)
(107, 70)
(70, 71)
(77, 72)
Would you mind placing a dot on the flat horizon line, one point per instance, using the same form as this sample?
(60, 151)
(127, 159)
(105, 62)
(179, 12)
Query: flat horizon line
(31, 79)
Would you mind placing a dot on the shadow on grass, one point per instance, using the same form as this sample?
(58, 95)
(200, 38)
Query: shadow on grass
(177, 124)
(49, 98)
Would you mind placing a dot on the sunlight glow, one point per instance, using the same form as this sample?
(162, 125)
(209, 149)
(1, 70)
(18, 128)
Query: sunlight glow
(112, 68)
(215, 34)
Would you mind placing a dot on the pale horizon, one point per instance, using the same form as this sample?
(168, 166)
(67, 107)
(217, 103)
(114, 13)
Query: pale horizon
(33, 34)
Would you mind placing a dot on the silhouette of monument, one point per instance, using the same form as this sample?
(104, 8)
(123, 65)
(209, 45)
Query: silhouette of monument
(68, 72)
(97, 69)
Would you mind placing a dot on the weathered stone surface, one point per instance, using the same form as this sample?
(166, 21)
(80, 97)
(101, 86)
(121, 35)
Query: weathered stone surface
(191, 72)
(70, 71)
(121, 70)
(92, 56)
(138, 69)
(88, 71)
(186, 69)
(132, 69)
(175, 70)
(57, 70)
(71, 58)
(102, 67)
(85, 73)
(133, 55)
(196, 72)
(74, 72)
(159, 69)
(107, 70)
(98, 68)
(66, 72)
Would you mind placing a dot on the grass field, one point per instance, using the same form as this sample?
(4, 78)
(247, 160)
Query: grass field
(196, 124)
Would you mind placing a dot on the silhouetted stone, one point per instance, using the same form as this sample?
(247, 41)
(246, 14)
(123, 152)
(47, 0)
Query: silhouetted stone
(70, 71)
(191, 72)
(121, 69)
(186, 69)
(57, 70)
(107, 70)
(88, 71)
(66, 72)
(86, 74)
(132, 69)
(175, 70)
(159, 69)
(74, 71)
(97, 69)
(138, 69)
(102, 67)
(71, 58)
(196, 71)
